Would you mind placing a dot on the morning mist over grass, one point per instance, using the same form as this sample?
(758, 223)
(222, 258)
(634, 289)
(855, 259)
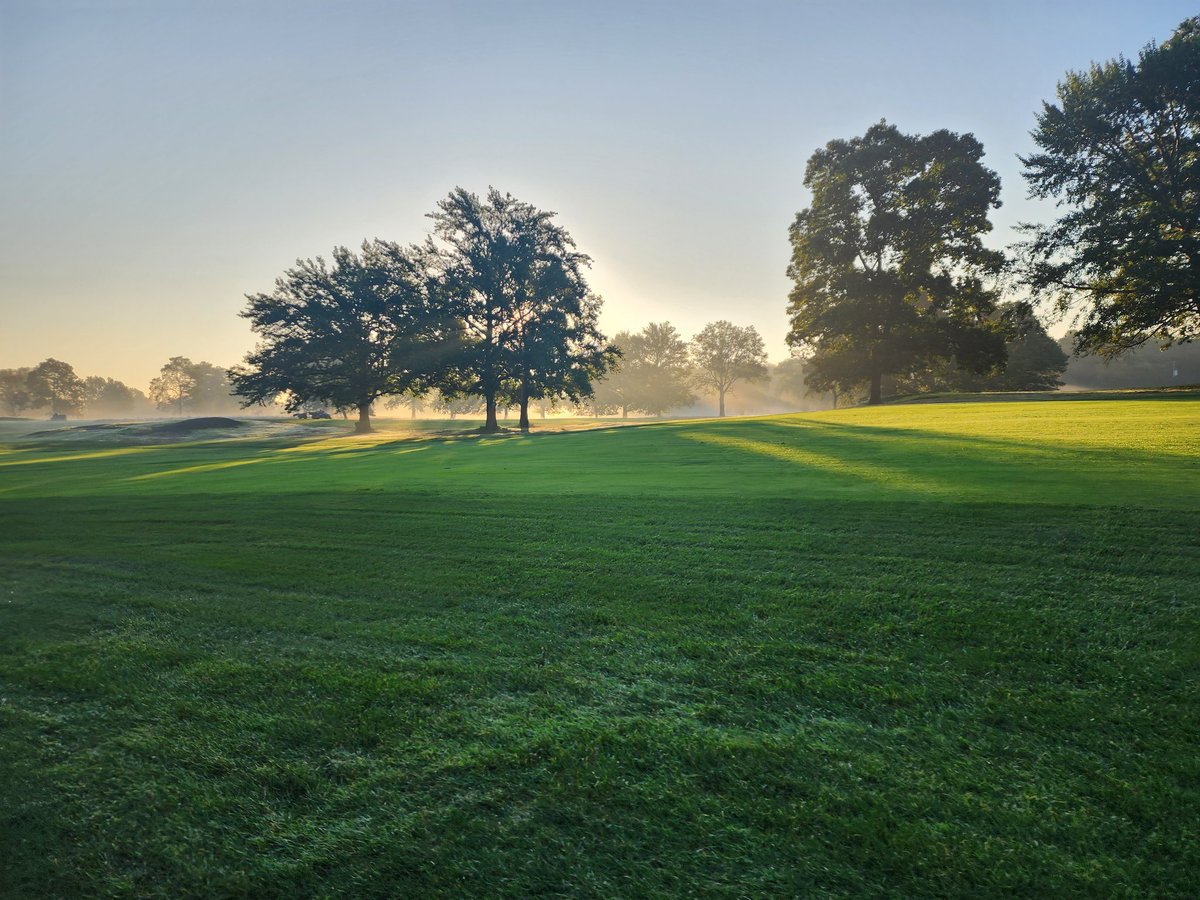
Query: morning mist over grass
(641, 450)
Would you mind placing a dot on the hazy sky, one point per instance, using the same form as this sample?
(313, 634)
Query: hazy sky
(159, 160)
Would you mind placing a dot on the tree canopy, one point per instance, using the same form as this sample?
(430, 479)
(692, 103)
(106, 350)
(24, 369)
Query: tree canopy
(348, 332)
(54, 383)
(174, 384)
(14, 390)
(653, 376)
(1120, 151)
(514, 279)
(724, 354)
(888, 261)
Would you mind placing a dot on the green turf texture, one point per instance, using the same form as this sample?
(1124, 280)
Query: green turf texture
(920, 650)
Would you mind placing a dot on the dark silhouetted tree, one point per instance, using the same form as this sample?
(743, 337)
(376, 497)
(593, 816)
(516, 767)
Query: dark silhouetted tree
(346, 333)
(54, 383)
(514, 279)
(559, 351)
(724, 354)
(888, 262)
(1120, 151)
(1034, 361)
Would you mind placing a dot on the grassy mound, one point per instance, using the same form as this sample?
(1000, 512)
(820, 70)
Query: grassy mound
(190, 426)
(920, 650)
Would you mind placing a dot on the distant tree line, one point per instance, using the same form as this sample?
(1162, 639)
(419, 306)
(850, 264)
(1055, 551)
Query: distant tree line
(53, 387)
(893, 284)
(659, 371)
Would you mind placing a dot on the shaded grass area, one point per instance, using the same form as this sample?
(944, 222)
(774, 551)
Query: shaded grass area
(744, 658)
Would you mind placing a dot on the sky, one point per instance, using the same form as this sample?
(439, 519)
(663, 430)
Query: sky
(160, 160)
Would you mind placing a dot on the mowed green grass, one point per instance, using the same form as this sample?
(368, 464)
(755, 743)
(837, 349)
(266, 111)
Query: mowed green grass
(921, 650)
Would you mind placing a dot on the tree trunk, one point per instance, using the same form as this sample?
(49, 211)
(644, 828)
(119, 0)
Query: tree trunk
(524, 423)
(490, 423)
(412, 412)
(876, 389)
(721, 401)
(624, 412)
(363, 426)
(835, 396)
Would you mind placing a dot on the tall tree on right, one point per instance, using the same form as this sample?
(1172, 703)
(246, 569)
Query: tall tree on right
(724, 354)
(888, 262)
(1120, 152)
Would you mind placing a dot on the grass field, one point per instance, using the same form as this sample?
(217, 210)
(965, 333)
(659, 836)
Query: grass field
(917, 650)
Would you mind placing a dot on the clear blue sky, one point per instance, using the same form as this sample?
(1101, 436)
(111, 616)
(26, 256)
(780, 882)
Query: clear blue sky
(159, 160)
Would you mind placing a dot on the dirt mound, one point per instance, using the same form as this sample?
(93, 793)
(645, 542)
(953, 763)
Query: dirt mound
(187, 426)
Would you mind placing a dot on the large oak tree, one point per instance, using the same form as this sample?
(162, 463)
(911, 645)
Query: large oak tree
(53, 383)
(888, 263)
(348, 332)
(514, 279)
(1120, 152)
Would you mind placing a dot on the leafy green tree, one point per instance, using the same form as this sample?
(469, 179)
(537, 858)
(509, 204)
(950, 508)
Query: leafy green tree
(1120, 151)
(347, 333)
(108, 396)
(14, 390)
(54, 383)
(888, 261)
(724, 354)
(839, 373)
(514, 280)
(613, 392)
(174, 384)
(556, 346)
(1035, 361)
(653, 375)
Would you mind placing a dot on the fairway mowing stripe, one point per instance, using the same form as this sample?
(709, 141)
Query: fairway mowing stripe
(889, 476)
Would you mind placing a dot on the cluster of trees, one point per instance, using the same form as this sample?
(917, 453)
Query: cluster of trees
(493, 306)
(193, 387)
(53, 386)
(659, 370)
(893, 281)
